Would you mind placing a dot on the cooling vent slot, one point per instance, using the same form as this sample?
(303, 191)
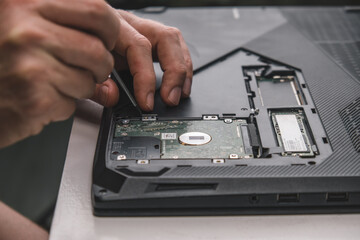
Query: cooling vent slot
(351, 118)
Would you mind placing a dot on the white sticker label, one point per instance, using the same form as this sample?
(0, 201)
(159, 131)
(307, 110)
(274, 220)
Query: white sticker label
(290, 133)
(168, 136)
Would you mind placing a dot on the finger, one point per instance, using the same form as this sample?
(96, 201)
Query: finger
(73, 82)
(50, 106)
(106, 94)
(137, 51)
(75, 48)
(172, 62)
(172, 53)
(69, 81)
(94, 16)
(186, 90)
(59, 108)
(63, 109)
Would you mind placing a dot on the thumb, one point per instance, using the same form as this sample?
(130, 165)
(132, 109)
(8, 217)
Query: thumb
(106, 93)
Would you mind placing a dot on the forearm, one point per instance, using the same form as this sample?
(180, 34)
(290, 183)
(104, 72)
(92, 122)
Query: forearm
(14, 226)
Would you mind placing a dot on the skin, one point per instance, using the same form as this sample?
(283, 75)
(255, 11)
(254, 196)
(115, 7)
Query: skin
(54, 52)
(14, 226)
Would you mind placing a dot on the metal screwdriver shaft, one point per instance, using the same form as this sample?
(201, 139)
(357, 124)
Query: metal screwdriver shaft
(126, 90)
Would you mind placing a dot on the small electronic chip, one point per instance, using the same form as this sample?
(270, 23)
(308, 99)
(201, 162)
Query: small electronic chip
(292, 134)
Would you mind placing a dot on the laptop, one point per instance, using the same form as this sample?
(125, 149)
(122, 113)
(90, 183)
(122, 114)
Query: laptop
(272, 125)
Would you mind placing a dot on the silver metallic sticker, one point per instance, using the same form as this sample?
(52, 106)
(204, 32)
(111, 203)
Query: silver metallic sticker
(292, 138)
(194, 138)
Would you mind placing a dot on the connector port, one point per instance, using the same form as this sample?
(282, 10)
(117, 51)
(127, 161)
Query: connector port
(288, 197)
(337, 197)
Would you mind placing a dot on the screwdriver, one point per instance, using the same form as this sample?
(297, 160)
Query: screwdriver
(126, 90)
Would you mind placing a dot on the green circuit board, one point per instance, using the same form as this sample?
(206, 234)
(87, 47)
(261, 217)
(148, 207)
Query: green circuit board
(226, 138)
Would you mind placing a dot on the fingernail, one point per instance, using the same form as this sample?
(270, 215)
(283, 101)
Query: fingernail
(187, 87)
(103, 95)
(150, 101)
(174, 96)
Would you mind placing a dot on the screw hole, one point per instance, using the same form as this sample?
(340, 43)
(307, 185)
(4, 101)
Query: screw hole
(115, 152)
(313, 110)
(156, 146)
(325, 140)
(303, 85)
(311, 163)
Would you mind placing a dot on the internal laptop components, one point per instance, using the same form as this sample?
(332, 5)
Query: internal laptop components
(274, 87)
(292, 133)
(247, 120)
(185, 139)
(270, 89)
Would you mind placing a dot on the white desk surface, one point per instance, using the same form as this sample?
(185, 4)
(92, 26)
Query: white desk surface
(74, 219)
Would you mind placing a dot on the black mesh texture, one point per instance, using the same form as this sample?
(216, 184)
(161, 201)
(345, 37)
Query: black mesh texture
(351, 118)
(334, 31)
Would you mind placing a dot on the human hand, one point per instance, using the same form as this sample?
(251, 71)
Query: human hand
(52, 52)
(141, 42)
